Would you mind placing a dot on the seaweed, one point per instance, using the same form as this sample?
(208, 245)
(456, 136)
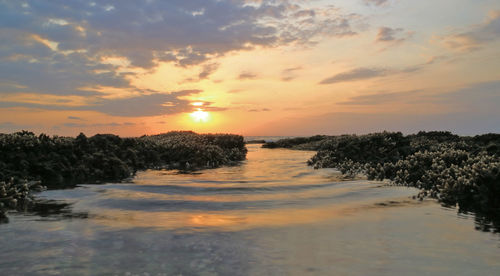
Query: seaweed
(457, 171)
(63, 162)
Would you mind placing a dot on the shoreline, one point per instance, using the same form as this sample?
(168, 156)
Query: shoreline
(456, 170)
(63, 162)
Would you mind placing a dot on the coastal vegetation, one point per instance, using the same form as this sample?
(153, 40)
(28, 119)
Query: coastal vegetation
(462, 171)
(258, 141)
(15, 194)
(30, 162)
(304, 143)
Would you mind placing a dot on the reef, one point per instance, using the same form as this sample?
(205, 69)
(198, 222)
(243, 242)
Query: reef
(17, 195)
(30, 162)
(455, 170)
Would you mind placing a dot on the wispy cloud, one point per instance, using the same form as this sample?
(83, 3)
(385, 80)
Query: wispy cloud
(259, 110)
(482, 97)
(477, 97)
(112, 124)
(208, 70)
(247, 76)
(356, 74)
(74, 118)
(376, 2)
(383, 98)
(363, 73)
(460, 122)
(147, 105)
(289, 74)
(386, 34)
(138, 106)
(389, 37)
(476, 37)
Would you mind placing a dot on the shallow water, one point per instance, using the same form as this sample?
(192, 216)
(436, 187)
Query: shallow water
(272, 215)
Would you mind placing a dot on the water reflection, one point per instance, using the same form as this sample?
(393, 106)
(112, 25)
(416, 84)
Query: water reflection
(264, 191)
(487, 222)
(272, 215)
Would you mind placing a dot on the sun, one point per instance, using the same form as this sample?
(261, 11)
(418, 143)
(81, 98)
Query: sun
(200, 116)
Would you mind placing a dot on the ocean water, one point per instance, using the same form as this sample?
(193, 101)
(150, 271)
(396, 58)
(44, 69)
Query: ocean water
(266, 138)
(271, 215)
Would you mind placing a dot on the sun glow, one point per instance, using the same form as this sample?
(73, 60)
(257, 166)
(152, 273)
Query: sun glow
(200, 116)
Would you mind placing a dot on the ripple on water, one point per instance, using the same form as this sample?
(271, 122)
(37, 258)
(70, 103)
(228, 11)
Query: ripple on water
(272, 215)
(261, 192)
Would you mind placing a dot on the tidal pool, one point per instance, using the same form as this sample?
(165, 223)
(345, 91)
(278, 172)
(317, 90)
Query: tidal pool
(271, 215)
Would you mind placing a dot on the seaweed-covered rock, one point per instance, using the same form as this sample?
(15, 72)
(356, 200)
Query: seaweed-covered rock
(17, 194)
(62, 162)
(303, 143)
(66, 161)
(456, 170)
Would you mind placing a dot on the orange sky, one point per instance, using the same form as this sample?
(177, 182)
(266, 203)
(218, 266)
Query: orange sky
(253, 67)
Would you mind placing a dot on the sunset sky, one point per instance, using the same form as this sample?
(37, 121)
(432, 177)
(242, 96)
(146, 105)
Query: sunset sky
(253, 67)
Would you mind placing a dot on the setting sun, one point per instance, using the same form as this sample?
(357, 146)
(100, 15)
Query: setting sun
(200, 116)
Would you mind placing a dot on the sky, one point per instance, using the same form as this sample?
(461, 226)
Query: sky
(251, 67)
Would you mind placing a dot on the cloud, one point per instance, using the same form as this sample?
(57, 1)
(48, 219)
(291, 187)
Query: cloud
(186, 32)
(478, 97)
(207, 106)
(74, 118)
(469, 110)
(138, 106)
(463, 123)
(436, 59)
(289, 74)
(208, 70)
(247, 76)
(146, 105)
(259, 110)
(475, 98)
(389, 37)
(363, 73)
(58, 74)
(476, 37)
(386, 34)
(383, 98)
(376, 2)
(292, 69)
(356, 74)
(50, 47)
(112, 124)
